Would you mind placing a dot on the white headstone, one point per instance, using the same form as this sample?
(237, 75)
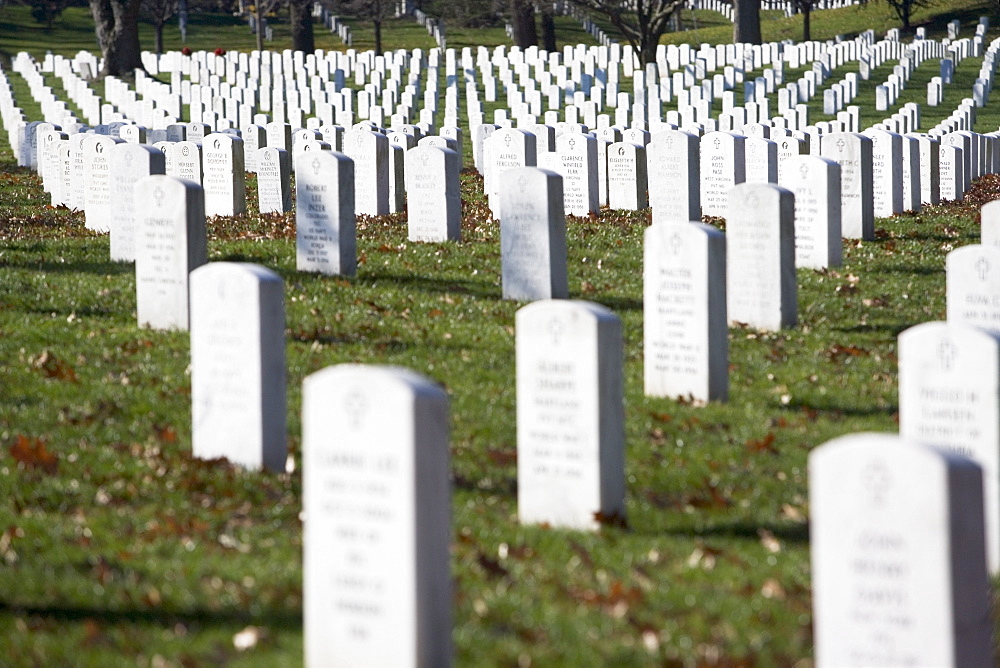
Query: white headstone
(973, 286)
(990, 225)
(98, 205)
(274, 175)
(949, 396)
(761, 290)
(434, 211)
(370, 152)
(184, 161)
(225, 176)
(723, 166)
(129, 163)
(898, 555)
(324, 213)
(377, 528)
(627, 182)
(815, 182)
(532, 235)
(674, 174)
(570, 415)
(853, 152)
(685, 330)
(170, 242)
(238, 365)
(887, 172)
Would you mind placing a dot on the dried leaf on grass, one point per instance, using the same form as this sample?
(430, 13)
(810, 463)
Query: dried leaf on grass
(31, 453)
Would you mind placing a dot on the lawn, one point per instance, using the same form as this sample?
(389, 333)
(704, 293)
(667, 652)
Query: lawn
(119, 548)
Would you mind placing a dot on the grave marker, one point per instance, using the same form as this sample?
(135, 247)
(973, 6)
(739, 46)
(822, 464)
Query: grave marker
(376, 496)
(532, 235)
(238, 365)
(170, 242)
(685, 332)
(434, 210)
(898, 563)
(760, 257)
(325, 239)
(570, 415)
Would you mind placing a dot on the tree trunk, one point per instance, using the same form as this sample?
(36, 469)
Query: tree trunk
(548, 28)
(746, 26)
(116, 23)
(159, 38)
(906, 17)
(806, 31)
(378, 36)
(258, 33)
(522, 19)
(300, 16)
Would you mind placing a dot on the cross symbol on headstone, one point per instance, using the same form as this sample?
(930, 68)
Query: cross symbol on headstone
(675, 243)
(522, 183)
(507, 139)
(946, 354)
(983, 268)
(670, 143)
(556, 330)
(876, 481)
(841, 144)
(718, 143)
(572, 143)
(128, 159)
(804, 170)
(316, 165)
(355, 406)
(752, 201)
(158, 196)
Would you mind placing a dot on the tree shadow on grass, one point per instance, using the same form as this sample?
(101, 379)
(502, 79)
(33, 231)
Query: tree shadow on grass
(894, 329)
(790, 533)
(904, 269)
(96, 268)
(166, 618)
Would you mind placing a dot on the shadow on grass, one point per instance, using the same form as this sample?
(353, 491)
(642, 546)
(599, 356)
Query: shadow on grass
(906, 269)
(852, 411)
(291, 620)
(895, 329)
(790, 533)
(480, 289)
(96, 268)
(616, 303)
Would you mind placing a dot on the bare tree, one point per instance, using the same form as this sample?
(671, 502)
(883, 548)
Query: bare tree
(548, 26)
(805, 8)
(746, 22)
(158, 12)
(375, 11)
(903, 8)
(261, 8)
(116, 23)
(301, 19)
(522, 20)
(641, 22)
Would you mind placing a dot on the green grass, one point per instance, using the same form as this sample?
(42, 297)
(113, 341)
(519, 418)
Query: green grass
(117, 546)
(848, 21)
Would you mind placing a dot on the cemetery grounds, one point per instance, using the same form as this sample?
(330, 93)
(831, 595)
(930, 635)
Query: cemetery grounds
(118, 547)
